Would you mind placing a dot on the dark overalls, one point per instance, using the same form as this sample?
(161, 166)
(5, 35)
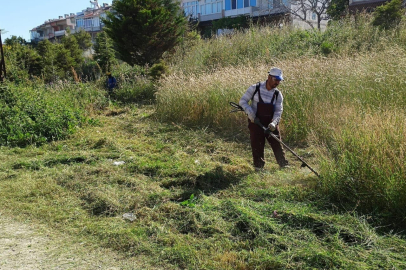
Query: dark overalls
(265, 113)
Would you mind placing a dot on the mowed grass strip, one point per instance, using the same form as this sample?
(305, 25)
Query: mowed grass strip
(236, 218)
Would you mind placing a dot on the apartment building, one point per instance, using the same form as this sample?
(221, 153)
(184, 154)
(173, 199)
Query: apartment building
(364, 5)
(53, 28)
(88, 19)
(206, 11)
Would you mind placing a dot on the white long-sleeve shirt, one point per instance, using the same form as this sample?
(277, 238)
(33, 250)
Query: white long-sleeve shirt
(266, 96)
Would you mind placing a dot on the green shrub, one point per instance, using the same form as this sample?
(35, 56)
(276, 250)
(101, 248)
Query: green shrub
(389, 15)
(37, 114)
(157, 70)
(326, 47)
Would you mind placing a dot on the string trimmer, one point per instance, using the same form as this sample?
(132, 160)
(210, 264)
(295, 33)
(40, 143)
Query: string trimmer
(268, 132)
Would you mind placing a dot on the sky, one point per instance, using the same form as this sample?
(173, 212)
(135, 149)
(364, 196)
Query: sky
(18, 17)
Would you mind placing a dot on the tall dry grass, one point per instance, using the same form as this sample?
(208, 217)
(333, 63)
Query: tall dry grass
(270, 44)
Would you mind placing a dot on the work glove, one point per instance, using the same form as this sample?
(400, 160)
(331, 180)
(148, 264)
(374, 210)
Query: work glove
(267, 131)
(257, 121)
(272, 126)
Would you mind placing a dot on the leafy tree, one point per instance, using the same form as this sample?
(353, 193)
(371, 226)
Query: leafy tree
(388, 15)
(143, 30)
(84, 39)
(29, 60)
(48, 59)
(337, 9)
(63, 59)
(104, 52)
(57, 61)
(23, 62)
(14, 40)
(70, 43)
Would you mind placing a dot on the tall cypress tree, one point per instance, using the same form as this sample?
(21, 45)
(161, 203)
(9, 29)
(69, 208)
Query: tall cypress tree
(71, 44)
(104, 52)
(143, 30)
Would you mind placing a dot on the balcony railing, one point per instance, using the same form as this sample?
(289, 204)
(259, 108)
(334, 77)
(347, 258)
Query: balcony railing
(240, 11)
(60, 33)
(210, 17)
(88, 28)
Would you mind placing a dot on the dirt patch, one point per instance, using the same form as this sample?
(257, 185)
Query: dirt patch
(24, 247)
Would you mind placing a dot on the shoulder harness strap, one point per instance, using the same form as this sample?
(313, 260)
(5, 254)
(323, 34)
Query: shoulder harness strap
(256, 90)
(275, 96)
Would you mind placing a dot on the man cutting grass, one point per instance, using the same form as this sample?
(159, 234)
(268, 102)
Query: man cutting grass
(266, 107)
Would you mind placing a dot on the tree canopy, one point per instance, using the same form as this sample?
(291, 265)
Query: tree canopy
(84, 39)
(337, 9)
(143, 30)
(388, 15)
(13, 40)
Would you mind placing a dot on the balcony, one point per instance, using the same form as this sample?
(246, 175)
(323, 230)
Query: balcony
(210, 17)
(87, 29)
(60, 33)
(93, 28)
(240, 11)
(354, 2)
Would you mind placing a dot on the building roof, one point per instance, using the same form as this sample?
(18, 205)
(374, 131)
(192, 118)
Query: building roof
(365, 5)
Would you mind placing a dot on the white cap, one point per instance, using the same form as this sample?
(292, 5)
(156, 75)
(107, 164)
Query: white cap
(277, 73)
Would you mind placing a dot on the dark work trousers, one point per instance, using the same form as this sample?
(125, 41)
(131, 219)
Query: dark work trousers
(265, 113)
(258, 137)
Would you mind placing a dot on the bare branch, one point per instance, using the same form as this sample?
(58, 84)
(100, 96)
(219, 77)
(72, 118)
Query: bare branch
(301, 9)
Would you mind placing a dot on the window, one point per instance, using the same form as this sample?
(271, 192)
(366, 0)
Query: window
(88, 22)
(237, 4)
(211, 7)
(102, 16)
(79, 22)
(276, 3)
(270, 4)
(191, 9)
(313, 16)
(96, 21)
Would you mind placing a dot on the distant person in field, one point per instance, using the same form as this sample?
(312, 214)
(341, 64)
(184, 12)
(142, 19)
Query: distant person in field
(111, 83)
(266, 106)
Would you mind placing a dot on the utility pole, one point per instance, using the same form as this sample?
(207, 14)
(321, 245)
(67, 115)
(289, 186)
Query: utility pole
(2, 63)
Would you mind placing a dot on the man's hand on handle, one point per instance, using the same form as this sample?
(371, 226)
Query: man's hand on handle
(271, 128)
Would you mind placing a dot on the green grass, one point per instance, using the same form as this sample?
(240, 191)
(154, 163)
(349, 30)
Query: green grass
(239, 219)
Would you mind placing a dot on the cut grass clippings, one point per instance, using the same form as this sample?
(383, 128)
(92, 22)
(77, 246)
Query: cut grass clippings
(236, 219)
